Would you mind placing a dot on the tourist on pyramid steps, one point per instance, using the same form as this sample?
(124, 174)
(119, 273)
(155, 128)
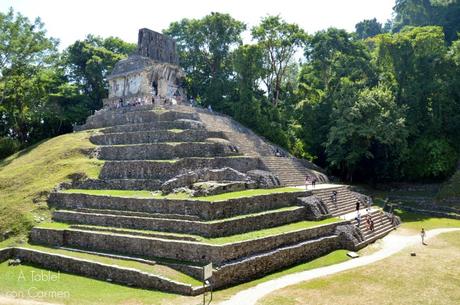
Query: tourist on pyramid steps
(358, 219)
(368, 222)
(313, 182)
(307, 181)
(371, 224)
(357, 205)
(423, 235)
(334, 198)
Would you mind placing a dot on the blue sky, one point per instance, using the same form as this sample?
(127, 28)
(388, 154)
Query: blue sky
(69, 20)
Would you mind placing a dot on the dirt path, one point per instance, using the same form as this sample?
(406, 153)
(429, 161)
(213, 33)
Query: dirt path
(391, 244)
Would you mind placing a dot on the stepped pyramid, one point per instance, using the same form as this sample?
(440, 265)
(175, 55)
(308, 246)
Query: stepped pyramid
(130, 227)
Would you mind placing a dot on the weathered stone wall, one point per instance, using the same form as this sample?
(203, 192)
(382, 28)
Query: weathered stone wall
(206, 229)
(103, 272)
(197, 135)
(118, 184)
(171, 249)
(258, 266)
(158, 125)
(206, 210)
(167, 170)
(112, 118)
(5, 254)
(48, 237)
(165, 151)
(157, 46)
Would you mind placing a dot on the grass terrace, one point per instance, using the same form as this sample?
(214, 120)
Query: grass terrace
(158, 195)
(288, 228)
(27, 177)
(155, 269)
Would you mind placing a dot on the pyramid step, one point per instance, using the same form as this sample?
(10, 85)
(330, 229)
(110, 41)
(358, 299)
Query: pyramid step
(165, 170)
(212, 229)
(166, 151)
(139, 137)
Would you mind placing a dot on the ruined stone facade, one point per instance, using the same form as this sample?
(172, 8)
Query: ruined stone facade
(151, 75)
(157, 46)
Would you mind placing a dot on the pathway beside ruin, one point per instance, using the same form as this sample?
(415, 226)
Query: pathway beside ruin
(392, 244)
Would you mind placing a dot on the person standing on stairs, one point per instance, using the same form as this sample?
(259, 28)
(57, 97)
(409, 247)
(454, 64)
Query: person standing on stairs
(307, 181)
(357, 205)
(334, 198)
(358, 219)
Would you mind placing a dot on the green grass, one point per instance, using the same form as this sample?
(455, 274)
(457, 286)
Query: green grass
(147, 194)
(332, 258)
(417, 221)
(78, 290)
(27, 177)
(429, 278)
(176, 130)
(269, 232)
(155, 269)
(73, 290)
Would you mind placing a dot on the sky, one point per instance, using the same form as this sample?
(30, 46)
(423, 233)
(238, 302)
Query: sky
(70, 20)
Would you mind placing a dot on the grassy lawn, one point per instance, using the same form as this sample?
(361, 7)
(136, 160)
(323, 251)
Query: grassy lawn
(156, 195)
(432, 277)
(79, 290)
(414, 221)
(28, 176)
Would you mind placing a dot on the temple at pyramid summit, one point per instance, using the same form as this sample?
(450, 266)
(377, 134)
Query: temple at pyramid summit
(183, 187)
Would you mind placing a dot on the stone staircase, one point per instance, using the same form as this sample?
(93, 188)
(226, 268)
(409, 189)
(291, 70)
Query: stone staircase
(345, 203)
(291, 171)
(383, 225)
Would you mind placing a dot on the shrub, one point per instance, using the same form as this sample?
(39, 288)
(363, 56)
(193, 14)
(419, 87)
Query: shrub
(8, 147)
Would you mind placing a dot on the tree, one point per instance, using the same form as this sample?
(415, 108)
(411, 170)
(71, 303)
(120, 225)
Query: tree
(330, 56)
(204, 47)
(280, 41)
(416, 59)
(27, 57)
(363, 119)
(90, 60)
(443, 13)
(368, 28)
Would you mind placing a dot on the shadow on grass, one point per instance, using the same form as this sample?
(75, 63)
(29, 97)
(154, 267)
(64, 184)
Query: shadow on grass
(21, 153)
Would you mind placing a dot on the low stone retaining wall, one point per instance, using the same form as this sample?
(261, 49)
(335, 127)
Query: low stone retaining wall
(258, 266)
(167, 170)
(206, 210)
(205, 229)
(165, 151)
(118, 184)
(192, 135)
(111, 118)
(5, 254)
(163, 125)
(171, 249)
(103, 272)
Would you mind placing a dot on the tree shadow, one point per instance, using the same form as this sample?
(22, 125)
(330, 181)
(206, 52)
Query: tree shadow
(21, 153)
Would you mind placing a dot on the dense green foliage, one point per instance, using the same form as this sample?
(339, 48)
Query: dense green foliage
(378, 104)
(43, 92)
